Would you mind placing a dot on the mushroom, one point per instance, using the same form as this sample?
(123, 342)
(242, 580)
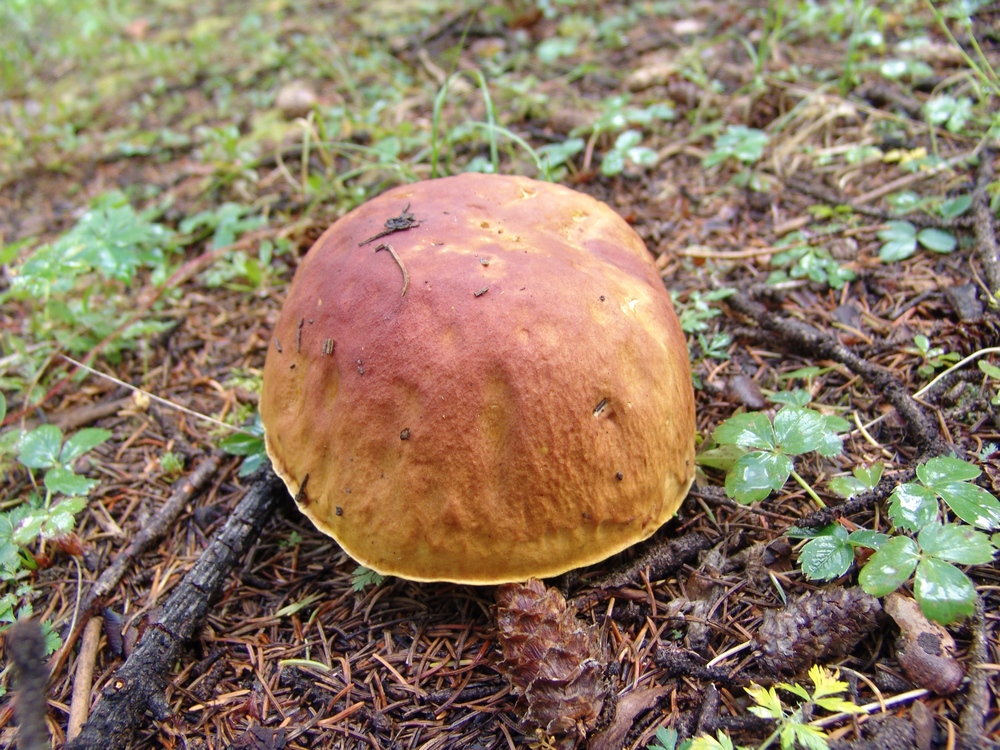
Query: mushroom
(480, 379)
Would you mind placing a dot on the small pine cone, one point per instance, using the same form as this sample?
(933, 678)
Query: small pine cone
(552, 660)
(815, 628)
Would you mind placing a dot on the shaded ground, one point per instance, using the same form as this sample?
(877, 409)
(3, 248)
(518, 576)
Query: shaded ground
(175, 107)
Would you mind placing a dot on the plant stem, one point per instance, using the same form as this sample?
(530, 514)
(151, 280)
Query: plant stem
(809, 490)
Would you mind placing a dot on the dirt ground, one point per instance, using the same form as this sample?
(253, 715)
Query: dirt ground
(174, 107)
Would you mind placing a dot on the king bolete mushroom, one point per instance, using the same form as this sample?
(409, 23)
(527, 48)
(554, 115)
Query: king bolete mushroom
(480, 379)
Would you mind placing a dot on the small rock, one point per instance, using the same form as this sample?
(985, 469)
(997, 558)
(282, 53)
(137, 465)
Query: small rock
(964, 300)
(296, 99)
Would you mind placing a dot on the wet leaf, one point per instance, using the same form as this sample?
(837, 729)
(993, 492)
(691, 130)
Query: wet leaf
(956, 543)
(912, 506)
(39, 449)
(890, 567)
(799, 430)
(755, 475)
(826, 557)
(945, 593)
(751, 430)
(81, 442)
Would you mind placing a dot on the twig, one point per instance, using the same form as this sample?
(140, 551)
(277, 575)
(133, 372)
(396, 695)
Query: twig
(661, 559)
(977, 704)
(157, 526)
(26, 647)
(986, 236)
(808, 339)
(406, 276)
(139, 685)
(79, 707)
(828, 196)
(909, 179)
(153, 397)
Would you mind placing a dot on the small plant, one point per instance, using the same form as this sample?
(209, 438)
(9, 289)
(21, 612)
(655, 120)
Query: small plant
(792, 726)
(627, 148)
(901, 239)
(250, 444)
(811, 262)
(745, 145)
(933, 357)
(993, 372)
(364, 577)
(171, 464)
(767, 463)
(944, 592)
(721, 741)
(697, 311)
(914, 505)
(39, 516)
(666, 739)
(864, 479)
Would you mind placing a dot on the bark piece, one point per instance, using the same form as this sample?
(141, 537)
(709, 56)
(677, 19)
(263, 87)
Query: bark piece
(924, 649)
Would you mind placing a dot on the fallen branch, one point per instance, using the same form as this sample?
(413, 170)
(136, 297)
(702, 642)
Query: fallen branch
(986, 234)
(815, 343)
(151, 533)
(139, 684)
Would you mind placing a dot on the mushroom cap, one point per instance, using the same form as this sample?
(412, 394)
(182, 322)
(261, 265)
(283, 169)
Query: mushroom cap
(523, 408)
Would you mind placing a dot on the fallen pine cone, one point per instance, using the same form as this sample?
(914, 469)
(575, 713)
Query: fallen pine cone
(815, 628)
(552, 659)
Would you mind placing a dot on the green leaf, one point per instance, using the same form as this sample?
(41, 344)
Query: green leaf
(61, 479)
(722, 457)
(809, 737)
(39, 449)
(557, 154)
(81, 442)
(53, 641)
(971, 503)
(613, 163)
(798, 430)
(628, 139)
(826, 557)
(751, 430)
(755, 475)
(241, 444)
(890, 567)
(10, 553)
(796, 397)
(666, 739)
(946, 469)
(991, 370)
(955, 207)
(898, 231)
(62, 518)
(847, 487)
(937, 240)
(912, 507)
(956, 543)
(3, 407)
(867, 538)
(768, 704)
(897, 250)
(945, 593)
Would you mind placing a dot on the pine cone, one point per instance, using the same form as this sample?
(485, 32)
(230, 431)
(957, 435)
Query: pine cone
(815, 628)
(552, 660)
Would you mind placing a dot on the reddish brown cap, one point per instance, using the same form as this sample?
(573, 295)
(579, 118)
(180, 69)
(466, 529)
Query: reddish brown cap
(524, 408)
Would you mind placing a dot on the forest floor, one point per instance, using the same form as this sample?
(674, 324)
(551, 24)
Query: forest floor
(817, 186)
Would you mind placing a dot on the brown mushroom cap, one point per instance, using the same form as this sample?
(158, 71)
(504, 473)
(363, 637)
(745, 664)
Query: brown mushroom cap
(524, 408)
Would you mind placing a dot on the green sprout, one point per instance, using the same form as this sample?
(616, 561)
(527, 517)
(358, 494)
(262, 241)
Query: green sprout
(901, 239)
(992, 371)
(933, 357)
(792, 726)
(364, 577)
